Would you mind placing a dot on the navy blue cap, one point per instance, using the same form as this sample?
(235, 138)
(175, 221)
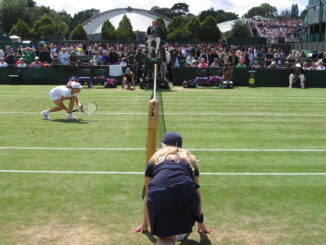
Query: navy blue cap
(172, 139)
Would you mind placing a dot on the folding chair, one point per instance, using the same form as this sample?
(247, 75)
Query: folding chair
(85, 76)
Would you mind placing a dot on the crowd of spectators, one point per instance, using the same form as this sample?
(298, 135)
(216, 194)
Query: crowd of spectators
(175, 55)
(272, 29)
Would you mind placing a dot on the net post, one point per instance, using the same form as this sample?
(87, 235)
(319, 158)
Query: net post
(153, 114)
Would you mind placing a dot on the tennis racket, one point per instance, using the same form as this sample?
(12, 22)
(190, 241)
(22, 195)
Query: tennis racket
(89, 107)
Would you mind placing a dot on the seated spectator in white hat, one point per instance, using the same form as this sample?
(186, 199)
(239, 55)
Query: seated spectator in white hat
(21, 63)
(37, 63)
(3, 63)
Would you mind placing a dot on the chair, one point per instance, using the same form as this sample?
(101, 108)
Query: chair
(99, 76)
(85, 76)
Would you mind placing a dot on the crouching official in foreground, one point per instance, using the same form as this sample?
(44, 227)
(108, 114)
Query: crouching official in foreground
(172, 202)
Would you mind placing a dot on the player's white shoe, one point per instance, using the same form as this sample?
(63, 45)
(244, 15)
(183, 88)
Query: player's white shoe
(45, 115)
(71, 116)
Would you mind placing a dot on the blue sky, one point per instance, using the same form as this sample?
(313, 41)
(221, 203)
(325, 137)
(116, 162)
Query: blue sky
(196, 6)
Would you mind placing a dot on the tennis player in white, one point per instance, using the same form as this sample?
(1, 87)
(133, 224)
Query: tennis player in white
(61, 93)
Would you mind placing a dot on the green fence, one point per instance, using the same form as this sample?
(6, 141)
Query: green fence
(61, 74)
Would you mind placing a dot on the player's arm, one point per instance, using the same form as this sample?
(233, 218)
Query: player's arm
(144, 225)
(201, 226)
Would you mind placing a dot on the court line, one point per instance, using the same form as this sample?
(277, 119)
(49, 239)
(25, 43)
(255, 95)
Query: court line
(143, 149)
(181, 97)
(142, 173)
(193, 114)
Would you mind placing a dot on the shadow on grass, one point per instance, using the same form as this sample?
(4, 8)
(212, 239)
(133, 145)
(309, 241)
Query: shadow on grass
(204, 240)
(150, 237)
(78, 121)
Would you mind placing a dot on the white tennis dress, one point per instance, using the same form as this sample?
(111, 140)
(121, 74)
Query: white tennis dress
(60, 91)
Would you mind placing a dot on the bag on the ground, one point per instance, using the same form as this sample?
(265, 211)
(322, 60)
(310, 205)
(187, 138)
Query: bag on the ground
(110, 83)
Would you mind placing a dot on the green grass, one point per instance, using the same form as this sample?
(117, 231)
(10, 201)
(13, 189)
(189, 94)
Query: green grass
(102, 209)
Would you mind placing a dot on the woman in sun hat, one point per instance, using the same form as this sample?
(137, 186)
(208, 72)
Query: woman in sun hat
(61, 93)
(172, 202)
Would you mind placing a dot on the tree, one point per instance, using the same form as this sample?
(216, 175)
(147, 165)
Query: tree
(180, 9)
(193, 26)
(179, 34)
(108, 31)
(219, 15)
(124, 31)
(21, 29)
(160, 23)
(222, 16)
(176, 23)
(294, 11)
(264, 10)
(11, 11)
(79, 33)
(209, 30)
(240, 29)
(303, 14)
(44, 27)
(163, 11)
(82, 16)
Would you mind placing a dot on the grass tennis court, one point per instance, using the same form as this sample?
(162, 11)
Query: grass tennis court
(262, 130)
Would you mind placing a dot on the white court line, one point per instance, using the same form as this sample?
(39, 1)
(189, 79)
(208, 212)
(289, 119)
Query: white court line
(193, 114)
(142, 173)
(182, 97)
(143, 149)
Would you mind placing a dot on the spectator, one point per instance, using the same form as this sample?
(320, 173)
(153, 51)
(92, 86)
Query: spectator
(45, 55)
(202, 63)
(96, 60)
(9, 56)
(64, 57)
(194, 64)
(233, 58)
(215, 64)
(312, 66)
(113, 57)
(269, 58)
(21, 63)
(272, 66)
(29, 55)
(190, 59)
(37, 63)
(2, 54)
(3, 63)
(207, 56)
(104, 58)
(305, 66)
(175, 58)
(320, 66)
(297, 73)
(256, 65)
(241, 65)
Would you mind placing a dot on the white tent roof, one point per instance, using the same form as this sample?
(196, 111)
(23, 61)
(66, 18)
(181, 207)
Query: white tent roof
(226, 26)
(139, 19)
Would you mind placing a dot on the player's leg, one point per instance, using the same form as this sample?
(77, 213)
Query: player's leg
(166, 240)
(302, 80)
(58, 107)
(72, 102)
(291, 77)
(157, 42)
